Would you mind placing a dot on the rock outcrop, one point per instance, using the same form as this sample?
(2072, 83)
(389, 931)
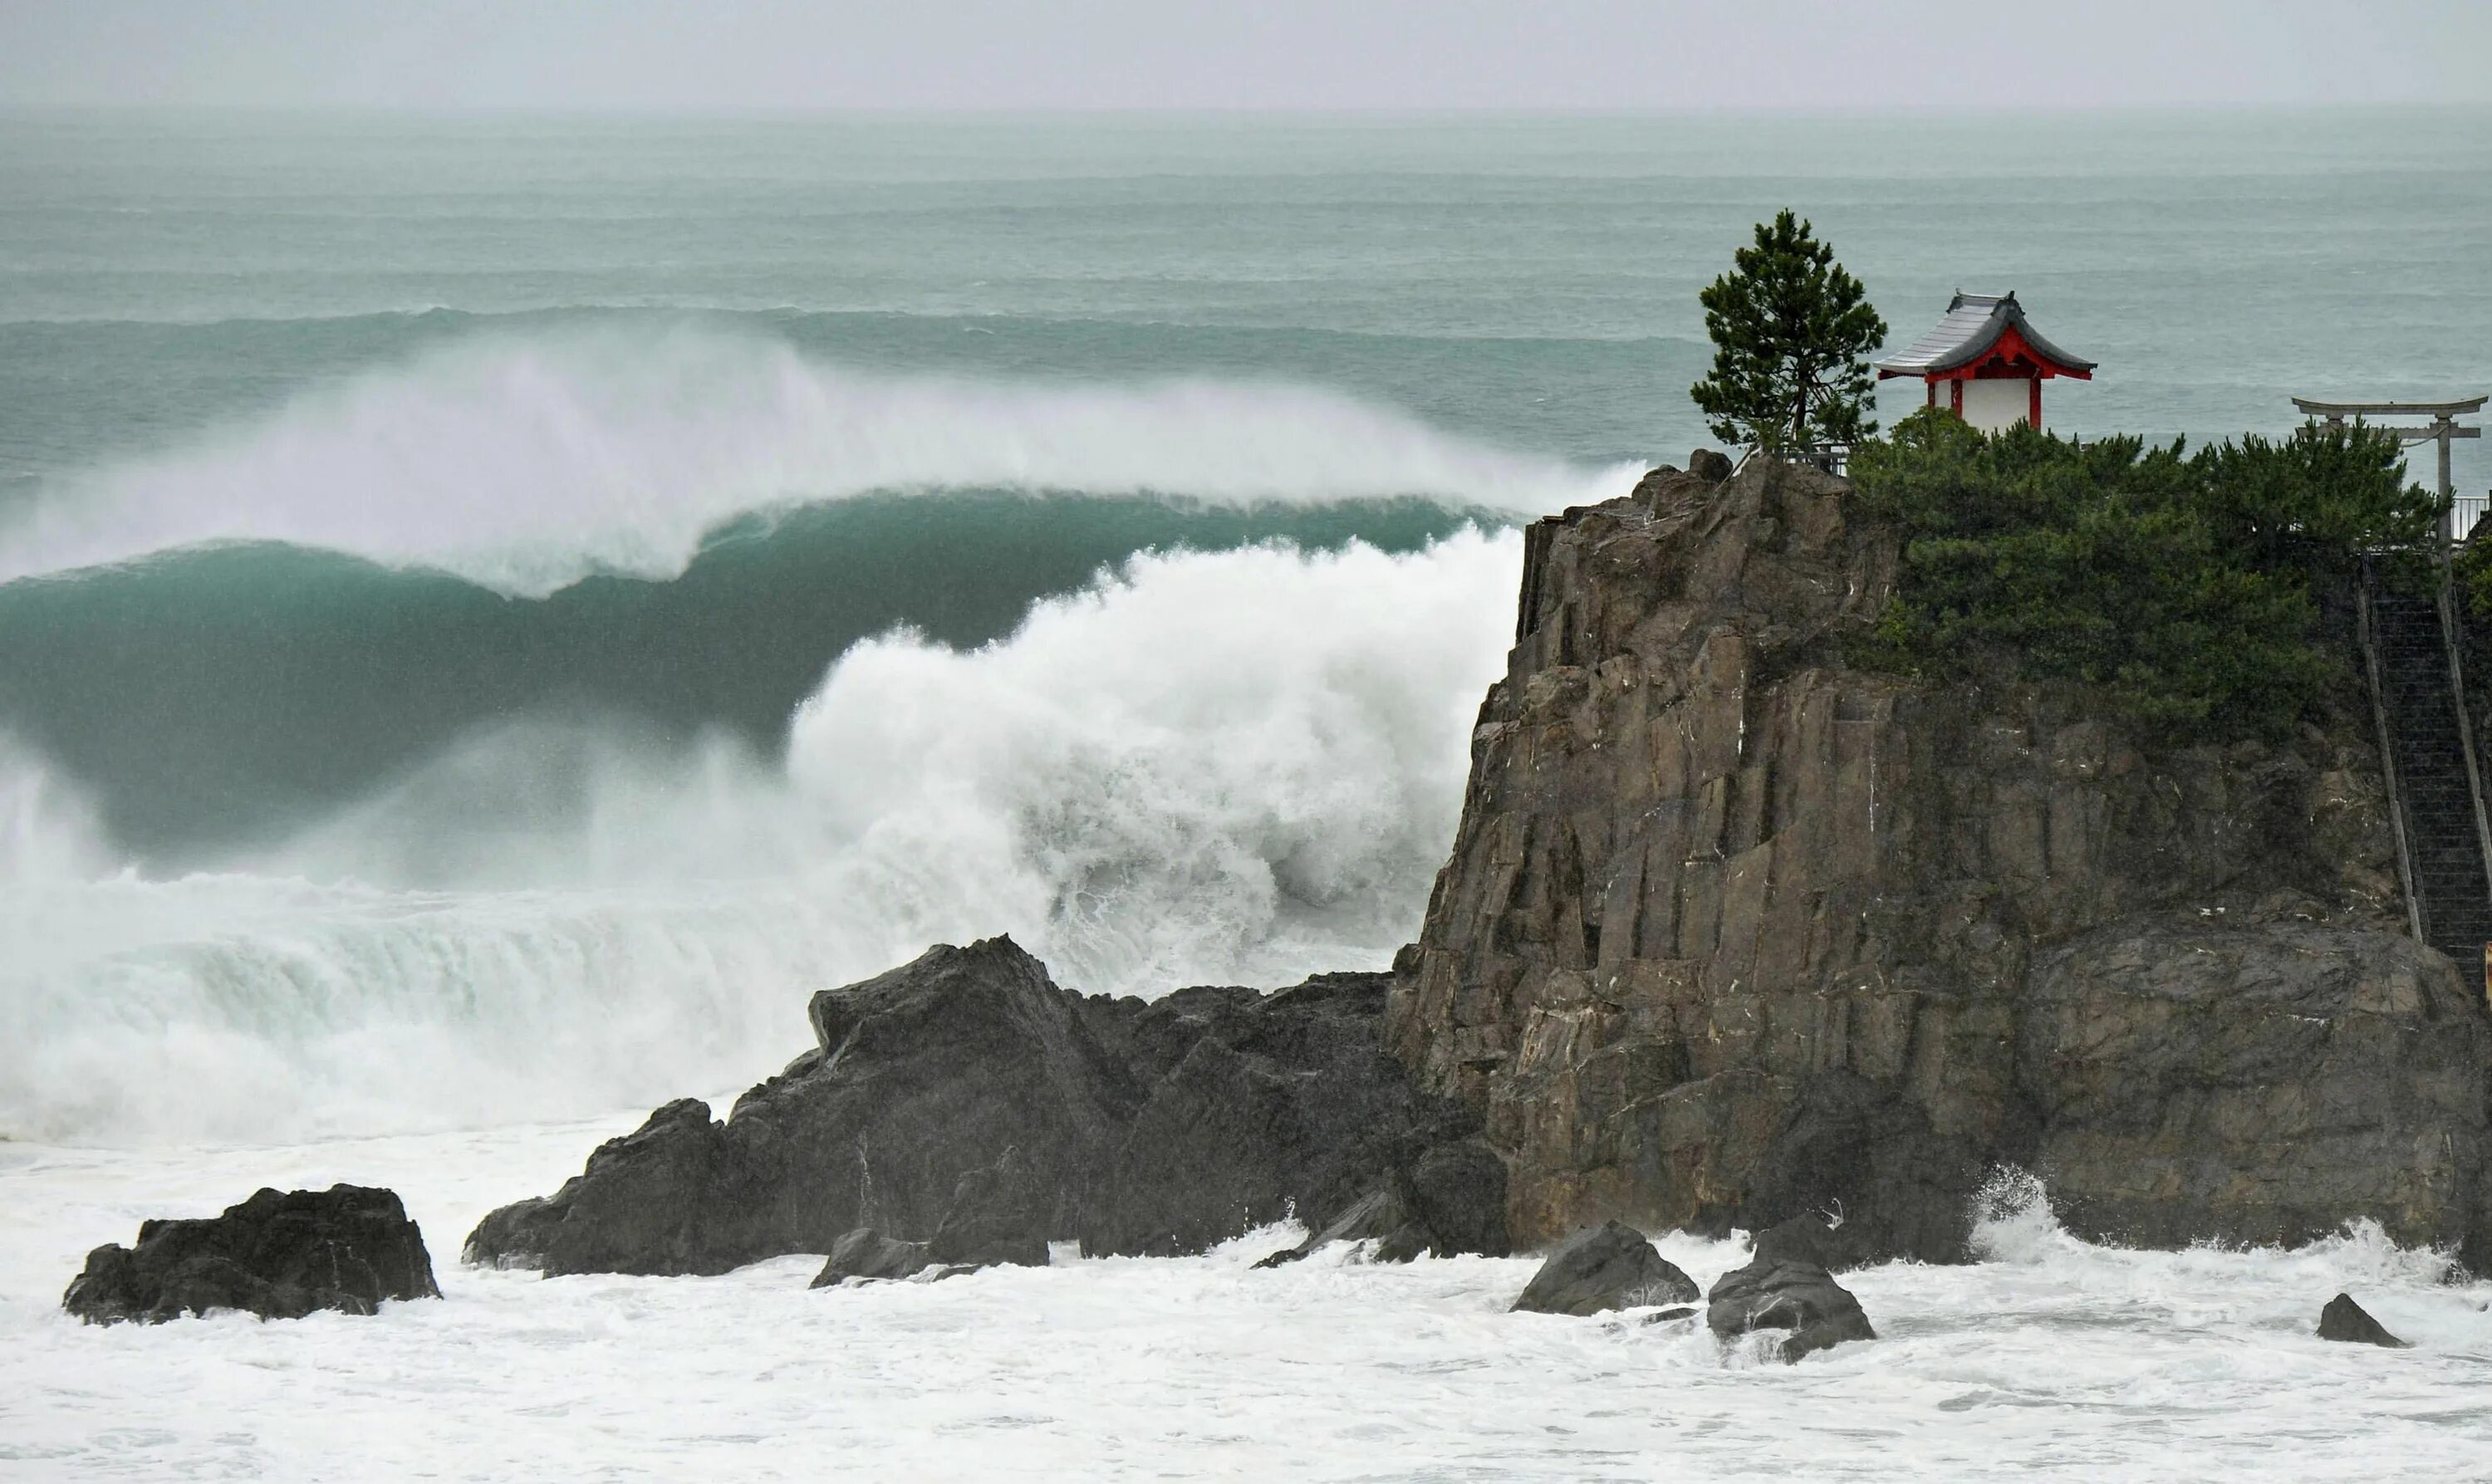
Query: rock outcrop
(1797, 1298)
(965, 1102)
(1451, 1199)
(2347, 1321)
(1609, 1266)
(866, 1253)
(281, 1255)
(1734, 932)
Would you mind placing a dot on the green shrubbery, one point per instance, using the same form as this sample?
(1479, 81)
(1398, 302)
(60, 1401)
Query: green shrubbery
(2183, 587)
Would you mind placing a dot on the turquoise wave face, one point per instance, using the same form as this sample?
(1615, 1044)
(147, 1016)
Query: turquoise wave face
(212, 696)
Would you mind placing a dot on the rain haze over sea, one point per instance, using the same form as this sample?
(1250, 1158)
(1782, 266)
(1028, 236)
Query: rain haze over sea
(496, 608)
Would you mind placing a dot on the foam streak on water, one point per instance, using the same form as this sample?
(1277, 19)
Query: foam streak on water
(2080, 1364)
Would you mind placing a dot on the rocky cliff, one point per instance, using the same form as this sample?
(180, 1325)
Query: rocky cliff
(1733, 931)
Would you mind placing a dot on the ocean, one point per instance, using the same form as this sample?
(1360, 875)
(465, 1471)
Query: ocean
(495, 610)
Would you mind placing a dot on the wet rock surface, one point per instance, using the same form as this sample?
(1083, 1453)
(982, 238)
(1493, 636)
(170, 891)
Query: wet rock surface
(1785, 1294)
(866, 1253)
(279, 1255)
(1609, 1266)
(1450, 1200)
(1736, 932)
(2347, 1321)
(964, 1101)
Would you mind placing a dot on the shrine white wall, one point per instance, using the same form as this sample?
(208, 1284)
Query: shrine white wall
(1994, 405)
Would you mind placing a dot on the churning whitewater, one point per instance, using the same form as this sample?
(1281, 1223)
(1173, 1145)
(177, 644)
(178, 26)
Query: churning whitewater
(1237, 765)
(482, 643)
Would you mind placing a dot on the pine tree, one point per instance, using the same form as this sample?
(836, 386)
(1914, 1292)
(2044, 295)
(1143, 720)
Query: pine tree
(1792, 331)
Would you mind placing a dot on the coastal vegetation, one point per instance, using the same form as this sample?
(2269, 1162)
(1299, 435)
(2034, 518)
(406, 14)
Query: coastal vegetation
(1792, 331)
(2183, 587)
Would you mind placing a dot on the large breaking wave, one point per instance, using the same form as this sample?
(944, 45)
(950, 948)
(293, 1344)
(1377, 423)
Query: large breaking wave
(524, 465)
(1235, 755)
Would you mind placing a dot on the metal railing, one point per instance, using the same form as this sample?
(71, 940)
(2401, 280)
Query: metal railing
(2464, 510)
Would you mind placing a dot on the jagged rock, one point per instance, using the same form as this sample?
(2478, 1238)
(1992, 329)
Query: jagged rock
(1810, 1240)
(998, 1215)
(1609, 1266)
(1784, 1293)
(1259, 1103)
(1734, 931)
(2347, 1321)
(1379, 1217)
(1451, 1200)
(671, 1197)
(1710, 466)
(866, 1253)
(1161, 1127)
(278, 1256)
(918, 1077)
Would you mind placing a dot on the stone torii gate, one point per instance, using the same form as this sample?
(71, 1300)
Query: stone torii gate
(2441, 430)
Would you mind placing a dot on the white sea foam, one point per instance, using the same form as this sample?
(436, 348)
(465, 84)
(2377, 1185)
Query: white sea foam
(527, 464)
(2090, 1364)
(1238, 767)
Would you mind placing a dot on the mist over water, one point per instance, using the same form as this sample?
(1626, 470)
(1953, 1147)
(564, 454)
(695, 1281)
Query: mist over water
(491, 614)
(548, 920)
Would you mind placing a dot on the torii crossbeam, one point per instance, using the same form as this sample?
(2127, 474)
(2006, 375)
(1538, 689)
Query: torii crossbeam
(2442, 427)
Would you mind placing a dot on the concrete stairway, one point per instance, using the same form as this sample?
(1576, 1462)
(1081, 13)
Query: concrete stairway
(2436, 794)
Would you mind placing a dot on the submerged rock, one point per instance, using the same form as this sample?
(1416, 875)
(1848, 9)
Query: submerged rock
(277, 1255)
(1736, 930)
(1785, 1293)
(2347, 1321)
(866, 1253)
(1609, 1266)
(1450, 1200)
(966, 1101)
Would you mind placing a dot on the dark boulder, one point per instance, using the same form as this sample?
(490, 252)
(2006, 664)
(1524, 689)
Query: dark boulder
(866, 1253)
(673, 1196)
(277, 1254)
(1785, 1293)
(1810, 1240)
(998, 1214)
(1457, 1190)
(2347, 1321)
(1711, 466)
(918, 1077)
(1608, 1266)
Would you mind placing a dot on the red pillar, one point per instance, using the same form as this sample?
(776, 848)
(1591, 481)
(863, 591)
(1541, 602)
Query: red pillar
(2034, 417)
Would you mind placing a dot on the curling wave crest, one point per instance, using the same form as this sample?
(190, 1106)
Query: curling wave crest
(1229, 767)
(525, 464)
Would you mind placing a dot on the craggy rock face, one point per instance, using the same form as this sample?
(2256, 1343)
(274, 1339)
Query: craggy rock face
(965, 1103)
(277, 1254)
(1733, 933)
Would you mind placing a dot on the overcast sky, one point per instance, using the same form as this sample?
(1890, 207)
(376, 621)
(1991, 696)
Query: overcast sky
(738, 54)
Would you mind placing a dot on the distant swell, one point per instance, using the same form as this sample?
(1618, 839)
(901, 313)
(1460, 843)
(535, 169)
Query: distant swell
(526, 465)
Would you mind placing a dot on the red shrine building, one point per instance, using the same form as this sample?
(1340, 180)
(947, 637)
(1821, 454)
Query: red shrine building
(1986, 363)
